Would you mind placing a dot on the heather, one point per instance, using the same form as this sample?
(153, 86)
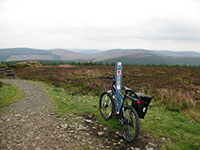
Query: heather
(173, 113)
(177, 88)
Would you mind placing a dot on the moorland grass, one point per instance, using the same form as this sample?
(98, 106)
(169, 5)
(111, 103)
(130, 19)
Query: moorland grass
(175, 92)
(180, 131)
(180, 85)
(8, 94)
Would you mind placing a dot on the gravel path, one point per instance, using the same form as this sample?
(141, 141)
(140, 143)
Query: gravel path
(31, 124)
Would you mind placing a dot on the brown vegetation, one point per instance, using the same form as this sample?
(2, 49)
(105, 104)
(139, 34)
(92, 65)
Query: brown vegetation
(1, 84)
(178, 88)
(31, 64)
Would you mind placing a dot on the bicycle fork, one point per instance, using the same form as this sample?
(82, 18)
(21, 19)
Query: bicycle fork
(115, 101)
(124, 120)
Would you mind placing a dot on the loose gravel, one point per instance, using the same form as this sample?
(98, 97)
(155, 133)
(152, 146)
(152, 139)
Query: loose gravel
(30, 124)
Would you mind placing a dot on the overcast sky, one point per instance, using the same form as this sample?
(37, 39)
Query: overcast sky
(101, 24)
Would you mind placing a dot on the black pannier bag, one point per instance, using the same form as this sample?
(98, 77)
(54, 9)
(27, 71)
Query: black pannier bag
(142, 107)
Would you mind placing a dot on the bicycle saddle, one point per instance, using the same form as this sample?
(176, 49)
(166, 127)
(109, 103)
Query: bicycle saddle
(139, 95)
(127, 89)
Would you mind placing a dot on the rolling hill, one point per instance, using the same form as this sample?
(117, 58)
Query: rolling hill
(17, 54)
(156, 60)
(68, 55)
(127, 56)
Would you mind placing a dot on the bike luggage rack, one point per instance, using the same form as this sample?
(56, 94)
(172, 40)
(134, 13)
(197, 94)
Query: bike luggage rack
(142, 106)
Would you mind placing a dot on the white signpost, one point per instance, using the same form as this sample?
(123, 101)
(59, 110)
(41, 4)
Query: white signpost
(118, 79)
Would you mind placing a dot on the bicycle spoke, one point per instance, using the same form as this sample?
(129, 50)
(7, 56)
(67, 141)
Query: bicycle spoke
(106, 106)
(130, 124)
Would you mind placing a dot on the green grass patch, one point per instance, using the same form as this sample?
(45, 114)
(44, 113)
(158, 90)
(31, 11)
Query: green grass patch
(181, 132)
(78, 104)
(8, 94)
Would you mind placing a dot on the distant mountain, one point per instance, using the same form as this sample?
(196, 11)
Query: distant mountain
(85, 51)
(90, 51)
(178, 54)
(155, 59)
(13, 54)
(115, 53)
(127, 56)
(69, 55)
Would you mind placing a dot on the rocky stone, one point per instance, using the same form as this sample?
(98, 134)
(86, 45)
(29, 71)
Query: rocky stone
(18, 115)
(64, 126)
(157, 118)
(81, 128)
(148, 148)
(163, 138)
(117, 133)
(88, 121)
(87, 134)
(151, 144)
(100, 133)
(52, 113)
(107, 147)
(37, 138)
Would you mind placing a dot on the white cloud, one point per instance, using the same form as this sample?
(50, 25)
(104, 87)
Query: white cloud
(155, 24)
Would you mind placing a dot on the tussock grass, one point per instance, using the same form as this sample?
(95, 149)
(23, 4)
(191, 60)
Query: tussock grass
(1, 84)
(170, 84)
(180, 131)
(175, 92)
(77, 104)
(8, 94)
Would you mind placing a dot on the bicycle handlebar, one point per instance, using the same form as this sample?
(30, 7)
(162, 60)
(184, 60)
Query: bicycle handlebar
(107, 77)
(113, 78)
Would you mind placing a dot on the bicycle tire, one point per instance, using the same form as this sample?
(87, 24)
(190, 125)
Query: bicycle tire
(127, 123)
(106, 114)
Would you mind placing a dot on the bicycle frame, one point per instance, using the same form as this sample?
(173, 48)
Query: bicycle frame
(114, 90)
(126, 114)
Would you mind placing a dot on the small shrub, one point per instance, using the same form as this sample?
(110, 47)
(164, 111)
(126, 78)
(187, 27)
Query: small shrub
(1, 84)
(175, 100)
(176, 87)
(30, 64)
(2, 65)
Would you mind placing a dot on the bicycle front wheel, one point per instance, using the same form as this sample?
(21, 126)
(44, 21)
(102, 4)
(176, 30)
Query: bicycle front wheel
(129, 124)
(106, 105)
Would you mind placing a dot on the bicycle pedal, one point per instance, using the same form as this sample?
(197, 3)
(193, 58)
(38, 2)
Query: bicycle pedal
(116, 114)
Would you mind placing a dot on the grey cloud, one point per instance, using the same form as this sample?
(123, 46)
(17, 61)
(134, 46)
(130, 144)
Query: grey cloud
(180, 28)
(167, 33)
(1, 29)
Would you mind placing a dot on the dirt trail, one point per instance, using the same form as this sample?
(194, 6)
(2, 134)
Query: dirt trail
(31, 124)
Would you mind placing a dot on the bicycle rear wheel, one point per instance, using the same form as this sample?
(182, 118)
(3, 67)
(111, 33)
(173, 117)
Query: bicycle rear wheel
(129, 124)
(106, 105)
